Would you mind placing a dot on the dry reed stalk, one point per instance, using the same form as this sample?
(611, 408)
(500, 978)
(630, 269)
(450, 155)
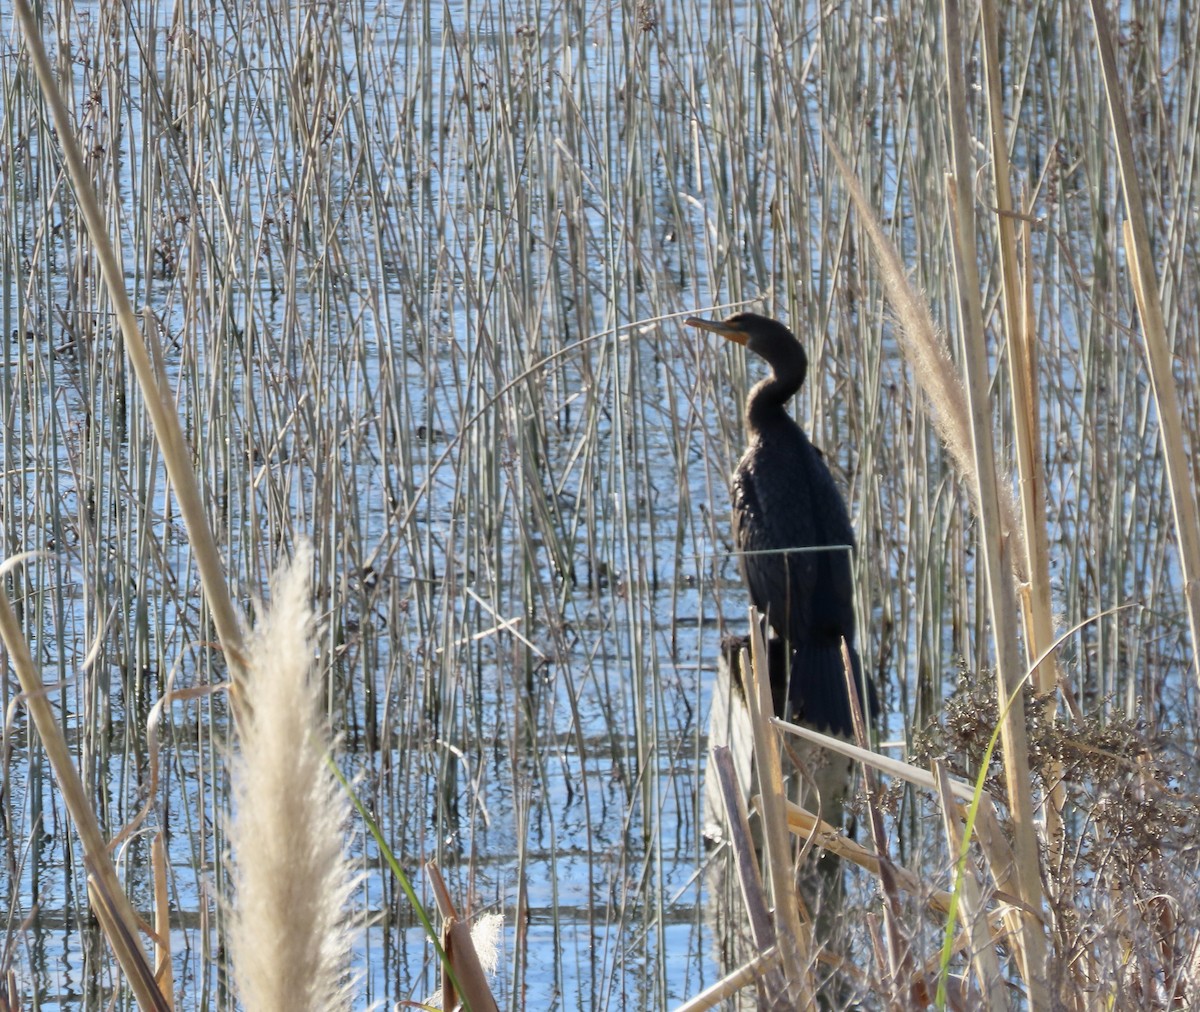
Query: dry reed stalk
(1158, 348)
(997, 850)
(770, 979)
(125, 943)
(122, 925)
(809, 827)
(463, 973)
(729, 985)
(1017, 295)
(901, 970)
(885, 764)
(793, 936)
(987, 831)
(289, 935)
(1035, 565)
(458, 941)
(998, 567)
(965, 423)
(163, 974)
(176, 454)
(820, 833)
(10, 994)
(741, 842)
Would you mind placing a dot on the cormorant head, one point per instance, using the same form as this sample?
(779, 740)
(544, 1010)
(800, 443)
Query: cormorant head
(767, 338)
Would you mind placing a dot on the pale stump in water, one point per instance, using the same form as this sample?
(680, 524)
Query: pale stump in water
(817, 779)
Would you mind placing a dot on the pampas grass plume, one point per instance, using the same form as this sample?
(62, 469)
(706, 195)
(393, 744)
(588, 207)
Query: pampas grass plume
(289, 940)
(932, 366)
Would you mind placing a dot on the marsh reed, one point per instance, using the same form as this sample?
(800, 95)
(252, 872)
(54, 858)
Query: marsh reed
(415, 273)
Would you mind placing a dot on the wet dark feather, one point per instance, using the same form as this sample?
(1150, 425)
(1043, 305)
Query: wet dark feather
(784, 497)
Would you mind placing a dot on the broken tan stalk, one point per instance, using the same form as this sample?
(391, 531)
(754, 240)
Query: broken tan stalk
(729, 985)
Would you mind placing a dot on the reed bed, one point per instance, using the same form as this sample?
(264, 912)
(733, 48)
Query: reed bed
(415, 275)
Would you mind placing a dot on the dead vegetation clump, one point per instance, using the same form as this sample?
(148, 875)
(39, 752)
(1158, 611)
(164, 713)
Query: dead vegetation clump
(1123, 895)
(1126, 780)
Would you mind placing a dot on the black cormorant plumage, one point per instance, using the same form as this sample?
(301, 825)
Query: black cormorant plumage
(785, 504)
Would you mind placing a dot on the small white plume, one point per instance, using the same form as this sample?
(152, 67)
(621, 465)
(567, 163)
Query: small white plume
(485, 936)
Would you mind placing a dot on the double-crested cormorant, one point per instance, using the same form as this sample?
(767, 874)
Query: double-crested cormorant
(792, 529)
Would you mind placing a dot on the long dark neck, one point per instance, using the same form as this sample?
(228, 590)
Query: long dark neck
(767, 404)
